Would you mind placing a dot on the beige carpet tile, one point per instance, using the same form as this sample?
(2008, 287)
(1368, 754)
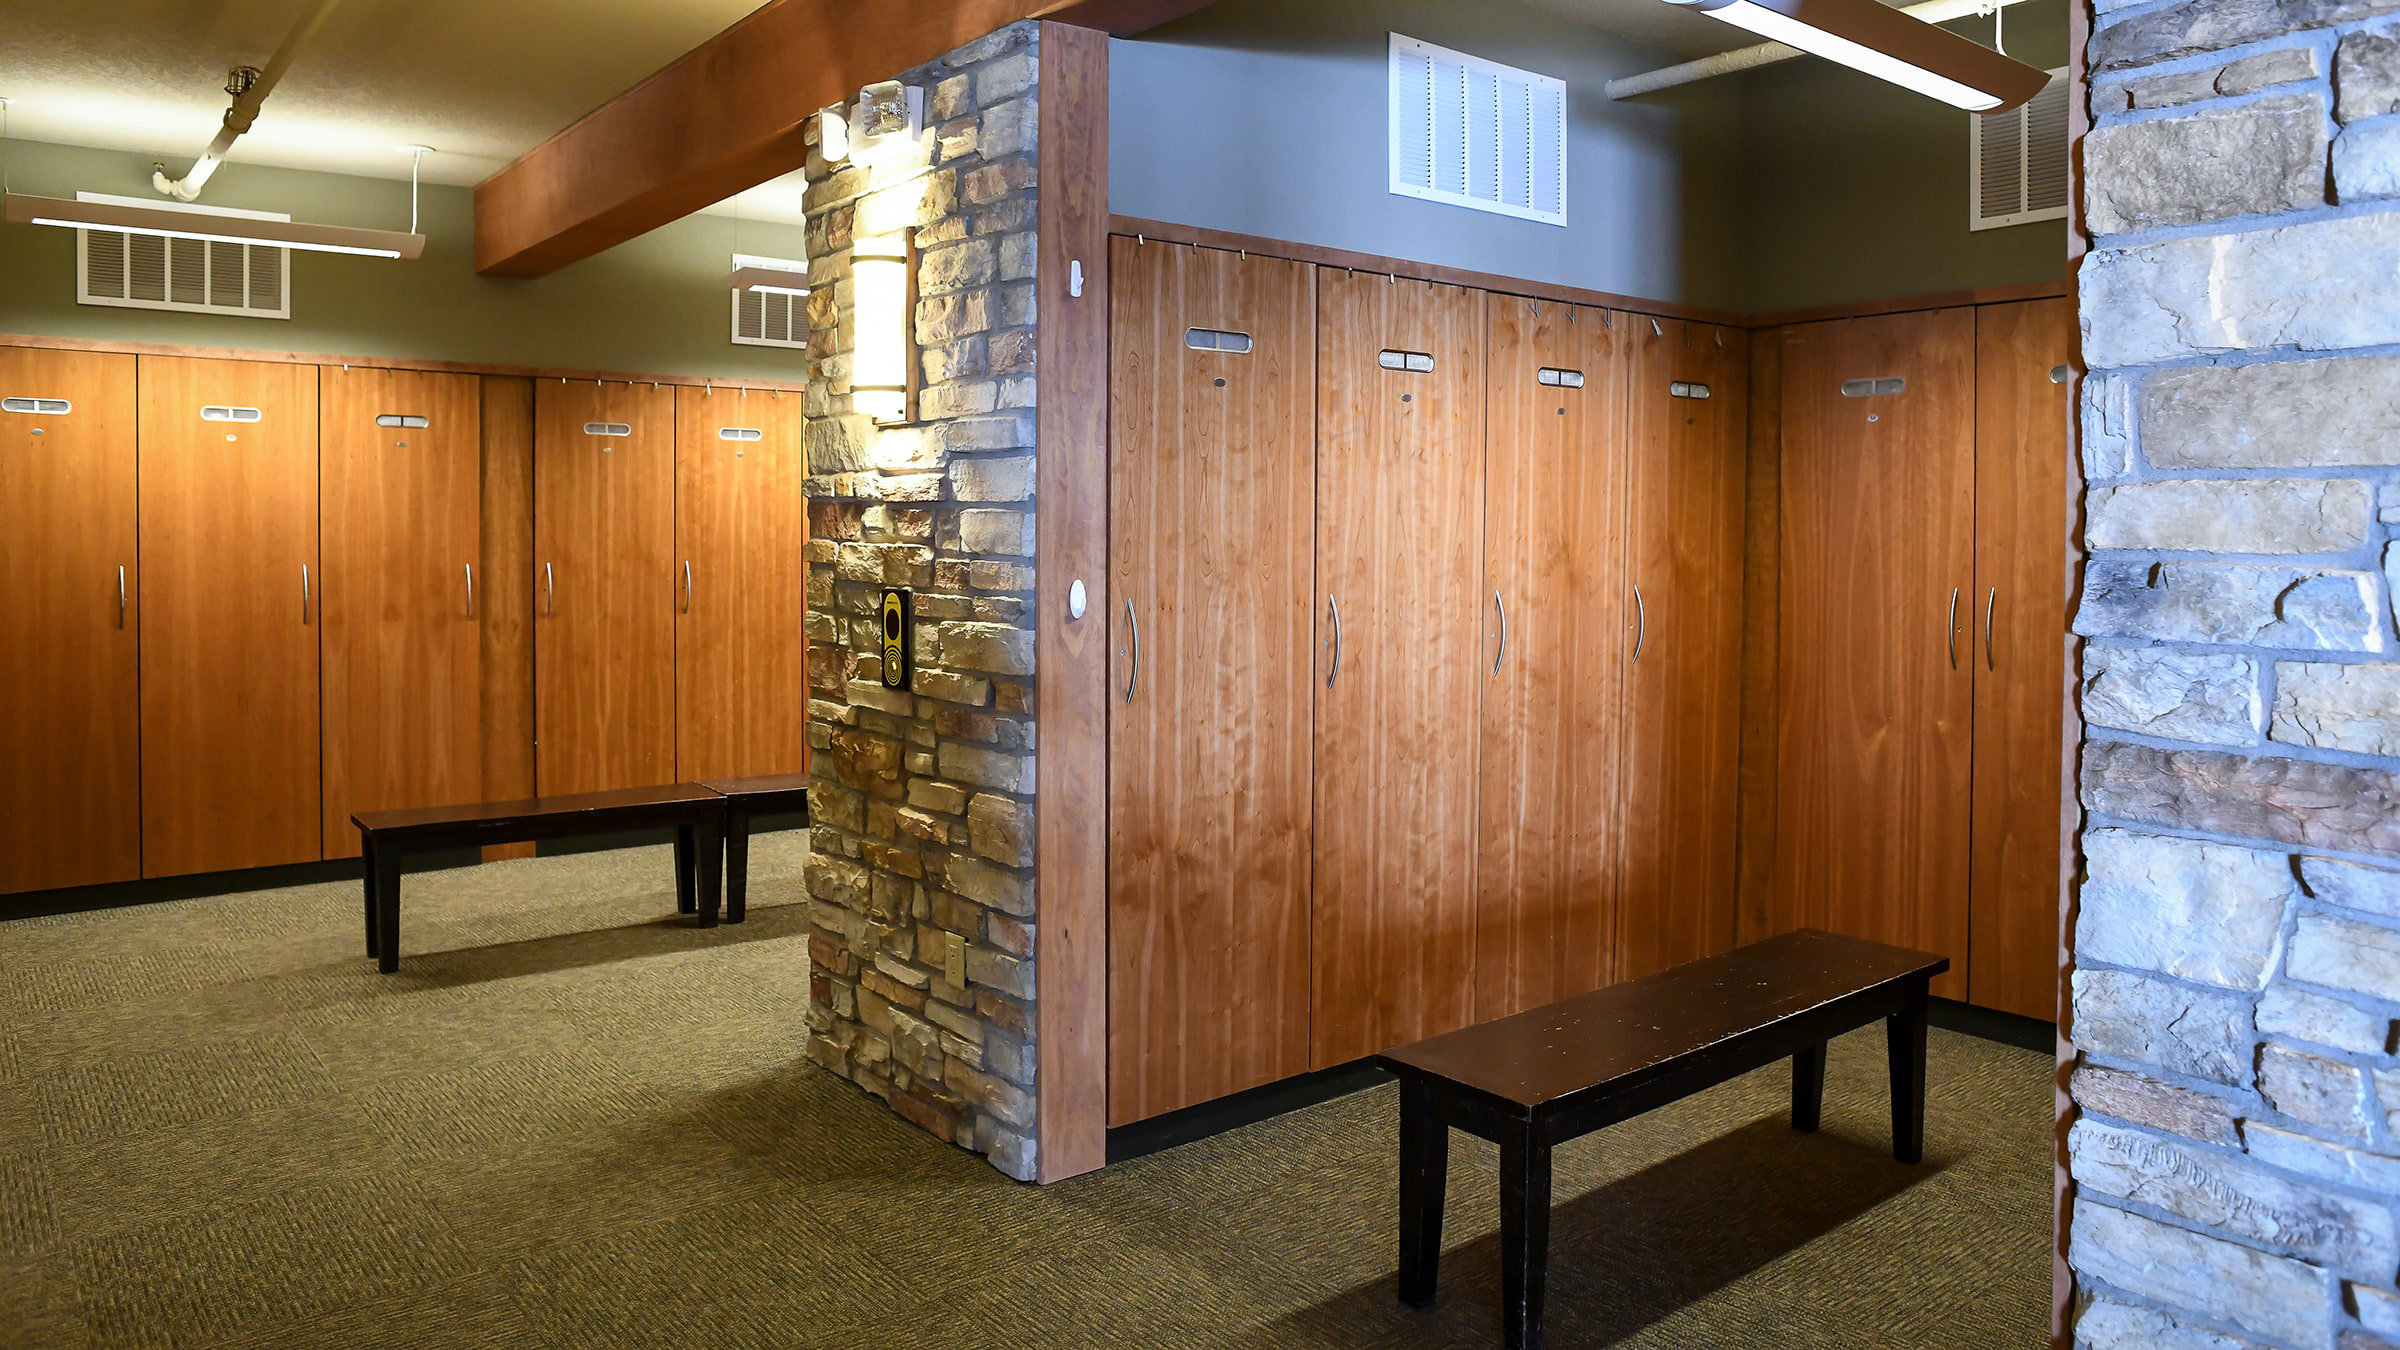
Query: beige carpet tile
(416, 1032)
(95, 1098)
(475, 1312)
(42, 981)
(38, 1307)
(509, 1106)
(28, 1213)
(104, 1186)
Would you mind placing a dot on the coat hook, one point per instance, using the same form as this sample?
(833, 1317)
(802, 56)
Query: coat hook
(1655, 330)
(1140, 242)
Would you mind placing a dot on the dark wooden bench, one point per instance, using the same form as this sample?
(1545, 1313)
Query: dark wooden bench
(696, 814)
(746, 799)
(1552, 1074)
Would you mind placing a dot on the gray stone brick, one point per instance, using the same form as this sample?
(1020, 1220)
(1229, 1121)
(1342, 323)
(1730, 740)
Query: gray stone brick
(2205, 912)
(2252, 159)
(2232, 515)
(2352, 885)
(2109, 1323)
(2296, 608)
(2273, 1296)
(2297, 1014)
(2326, 1092)
(2378, 1310)
(2338, 707)
(2291, 286)
(2210, 697)
(2366, 163)
(2331, 806)
(2107, 425)
(2311, 1157)
(2343, 953)
(2253, 73)
(2202, 1033)
(2280, 414)
(2209, 25)
(2227, 1192)
(2366, 75)
(2147, 1101)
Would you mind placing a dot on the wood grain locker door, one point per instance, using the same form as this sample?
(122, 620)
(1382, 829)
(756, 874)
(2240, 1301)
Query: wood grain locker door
(1211, 493)
(1875, 688)
(1555, 627)
(741, 603)
(604, 586)
(402, 590)
(1400, 561)
(1683, 719)
(230, 615)
(2021, 543)
(69, 635)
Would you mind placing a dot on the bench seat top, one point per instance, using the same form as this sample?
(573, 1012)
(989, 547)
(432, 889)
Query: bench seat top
(531, 808)
(763, 785)
(1543, 1054)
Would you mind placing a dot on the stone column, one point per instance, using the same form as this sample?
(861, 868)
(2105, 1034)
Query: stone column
(923, 798)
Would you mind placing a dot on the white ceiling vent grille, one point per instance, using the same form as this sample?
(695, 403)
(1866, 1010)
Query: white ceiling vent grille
(2019, 169)
(1476, 133)
(770, 318)
(148, 271)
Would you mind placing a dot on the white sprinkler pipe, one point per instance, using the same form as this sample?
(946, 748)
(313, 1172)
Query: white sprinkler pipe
(244, 111)
(1768, 53)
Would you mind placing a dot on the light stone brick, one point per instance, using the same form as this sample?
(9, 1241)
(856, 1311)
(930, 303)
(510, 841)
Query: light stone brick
(2338, 707)
(2366, 163)
(2199, 911)
(985, 884)
(2297, 1014)
(994, 769)
(2174, 30)
(1011, 432)
(2352, 885)
(2278, 414)
(2343, 953)
(2311, 1157)
(2253, 73)
(2107, 426)
(2297, 608)
(2366, 74)
(2316, 805)
(1004, 78)
(2314, 1089)
(2232, 515)
(1002, 532)
(992, 480)
(2252, 159)
(987, 647)
(2225, 1191)
(1001, 829)
(2166, 91)
(2306, 286)
(2210, 697)
(2147, 1101)
(2108, 1323)
(2202, 1033)
(2378, 1310)
(2273, 1296)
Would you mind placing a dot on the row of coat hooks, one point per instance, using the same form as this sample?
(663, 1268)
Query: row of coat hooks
(708, 389)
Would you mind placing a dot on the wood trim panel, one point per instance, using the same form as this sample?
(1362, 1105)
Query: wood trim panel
(1757, 912)
(504, 598)
(1071, 473)
(69, 636)
(63, 344)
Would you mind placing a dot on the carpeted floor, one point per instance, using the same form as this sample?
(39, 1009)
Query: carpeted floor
(572, 1121)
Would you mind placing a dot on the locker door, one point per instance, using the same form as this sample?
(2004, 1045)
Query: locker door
(741, 603)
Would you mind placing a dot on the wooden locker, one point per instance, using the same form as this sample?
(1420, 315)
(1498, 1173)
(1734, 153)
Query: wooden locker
(69, 648)
(505, 595)
(1875, 681)
(604, 586)
(1210, 535)
(741, 602)
(230, 606)
(402, 647)
(1689, 459)
(1401, 660)
(2021, 543)
(1555, 610)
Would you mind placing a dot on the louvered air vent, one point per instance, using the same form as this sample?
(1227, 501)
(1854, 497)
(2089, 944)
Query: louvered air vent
(1476, 133)
(2019, 169)
(147, 271)
(769, 319)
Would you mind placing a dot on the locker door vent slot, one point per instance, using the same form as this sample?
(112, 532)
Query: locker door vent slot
(607, 429)
(400, 420)
(1563, 379)
(740, 434)
(53, 406)
(1873, 388)
(1686, 389)
(217, 413)
(1216, 340)
(1416, 362)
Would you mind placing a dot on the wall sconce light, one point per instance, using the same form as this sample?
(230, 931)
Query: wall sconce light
(883, 293)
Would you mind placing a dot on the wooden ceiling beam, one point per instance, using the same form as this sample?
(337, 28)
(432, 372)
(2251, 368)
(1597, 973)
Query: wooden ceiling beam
(728, 116)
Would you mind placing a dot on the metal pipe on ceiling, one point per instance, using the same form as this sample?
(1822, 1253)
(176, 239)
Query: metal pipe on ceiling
(1768, 53)
(244, 112)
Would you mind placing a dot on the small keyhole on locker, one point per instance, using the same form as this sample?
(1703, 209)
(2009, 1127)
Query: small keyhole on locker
(1220, 382)
(1562, 412)
(1872, 417)
(1405, 398)
(403, 445)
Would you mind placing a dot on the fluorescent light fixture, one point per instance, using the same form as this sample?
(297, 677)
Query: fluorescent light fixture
(772, 280)
(880, 315)
(1878, 40)
(23, 209)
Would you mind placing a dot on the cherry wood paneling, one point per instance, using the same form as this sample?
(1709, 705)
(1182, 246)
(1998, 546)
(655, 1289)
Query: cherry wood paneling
(371, 362)
(229, 617)
(1876, 685)
(2021, 420)
(504, 597)
(604, 588)
(69, 698)
(1211, 486)
(1555, 612)
(741, 530)
(400, 531)
(1399, 546)
(1757, 913)
(1683, 697)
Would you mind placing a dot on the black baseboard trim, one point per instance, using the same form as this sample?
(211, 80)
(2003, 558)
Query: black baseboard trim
(1160, 1133)
(2025, 1033)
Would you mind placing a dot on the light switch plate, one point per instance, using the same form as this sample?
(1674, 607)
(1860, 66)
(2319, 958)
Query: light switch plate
(954, 959)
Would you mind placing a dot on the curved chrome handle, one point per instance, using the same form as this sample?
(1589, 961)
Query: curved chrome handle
(1953, 631)
(549, 590)
(470, 590)
(120, 596)
(1498, 604)
(1335, 604)
(304, 593)
(687, 585)
(1991, 601)
(1133, 676)
(1641, 624)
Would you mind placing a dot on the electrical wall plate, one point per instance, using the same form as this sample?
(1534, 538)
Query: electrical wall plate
(954, 959)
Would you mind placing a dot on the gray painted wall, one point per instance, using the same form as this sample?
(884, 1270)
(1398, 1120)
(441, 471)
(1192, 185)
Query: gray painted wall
(657, 305)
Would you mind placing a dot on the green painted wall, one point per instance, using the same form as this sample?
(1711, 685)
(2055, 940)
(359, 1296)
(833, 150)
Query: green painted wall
(1855, 189)
(655, 305)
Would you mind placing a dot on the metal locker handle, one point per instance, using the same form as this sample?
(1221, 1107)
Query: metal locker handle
(549, 590)
(687, 585)
(120, 596)
(1503, 608)
(1134, 675)
(1952, 633)
(1641, 624)
(470, 590)
(304, 593)
(1991, 601)
(1334, 602)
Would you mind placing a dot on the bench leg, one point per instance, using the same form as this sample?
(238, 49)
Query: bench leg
(737, 866)
(1524, 1238)
(1904, 1033)
(1424, 1185)
(366, 870)
(686, 900)
(709, 847)
(386, 882)
(1808, 1088)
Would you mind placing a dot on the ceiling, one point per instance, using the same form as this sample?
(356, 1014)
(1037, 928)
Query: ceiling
(1678, 29)
(481, 81)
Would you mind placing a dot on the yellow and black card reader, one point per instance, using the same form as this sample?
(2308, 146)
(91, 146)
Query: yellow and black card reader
(895, 638)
